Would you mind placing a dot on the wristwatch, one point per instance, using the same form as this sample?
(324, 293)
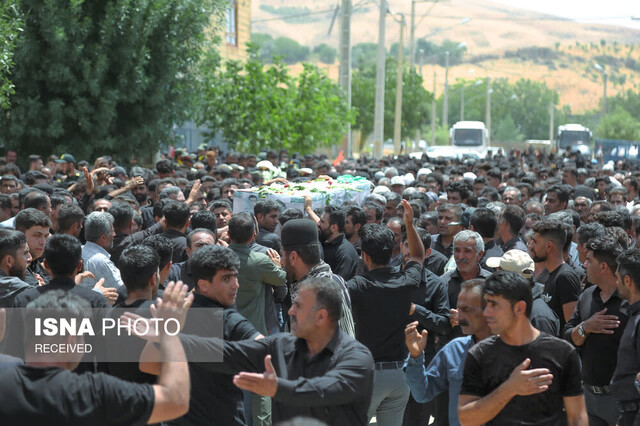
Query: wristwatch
(581, 332)
(637, 383)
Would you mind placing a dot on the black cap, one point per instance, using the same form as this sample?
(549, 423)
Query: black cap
(299, 232)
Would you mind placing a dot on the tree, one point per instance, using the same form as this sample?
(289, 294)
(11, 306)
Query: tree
(525, 102)
(416, 101)
(507, 131)
(109, 77)
(290, 50)
(326, 53)
(258, 108)
(619, 125)
(264, 43)
(363, 55)
(9, 28)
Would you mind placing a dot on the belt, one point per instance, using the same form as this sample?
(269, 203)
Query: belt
(599, 390)
(625, 407)
(389, 365)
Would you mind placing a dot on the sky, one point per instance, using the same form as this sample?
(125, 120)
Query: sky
(611, 12)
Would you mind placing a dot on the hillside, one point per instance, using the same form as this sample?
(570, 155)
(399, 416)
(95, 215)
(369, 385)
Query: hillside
(493, 36)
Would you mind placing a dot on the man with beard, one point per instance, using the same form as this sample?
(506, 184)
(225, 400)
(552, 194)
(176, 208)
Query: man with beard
(356, 219)
(562, 288)
(267, 213)
(14, 258)
(140, 192)
(596, 327)
(301, 260)
(338, 251)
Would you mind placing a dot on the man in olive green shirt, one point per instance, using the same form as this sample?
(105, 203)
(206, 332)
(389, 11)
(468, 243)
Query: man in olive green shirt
(256, 270)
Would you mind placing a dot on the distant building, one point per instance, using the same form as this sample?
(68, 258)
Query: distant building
(237, 30)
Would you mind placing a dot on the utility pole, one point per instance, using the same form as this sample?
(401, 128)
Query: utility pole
(604, 96)
(462, 103)
(445, 104)
(345, 62)
(397, 130)
(433, 112)
(488, 111)
(412, 36)
(551, 130)
(378, 121)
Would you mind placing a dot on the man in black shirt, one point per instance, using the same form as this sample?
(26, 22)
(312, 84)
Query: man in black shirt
(63, 257)
(177, 216)
(596, 327)
(46, 391)
(628, 364)
(14, 258)
(562, 288)
(317, 371)
(449, 216)
(36, 226)
(338, 251)
(484, 222)
(122, 222)
(214, 396)
(468, 249)
(498, 387)
(139, 266)
(432, 312)
(381, 301)
(542, 317)
(510, 222)
(196, 239)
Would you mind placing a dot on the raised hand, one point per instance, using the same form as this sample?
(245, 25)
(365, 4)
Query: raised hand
(416, 342)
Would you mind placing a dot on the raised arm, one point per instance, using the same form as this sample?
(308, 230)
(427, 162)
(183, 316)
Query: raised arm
(416, 249)
(173, 389)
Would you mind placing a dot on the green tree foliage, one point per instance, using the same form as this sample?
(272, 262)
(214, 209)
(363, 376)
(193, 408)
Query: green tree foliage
(629, 100)
(258, 108)
(269, 49)
(435, 54)
(290, 50)
(326, 53)
(104, 77)
(526, 103)
(508, 131)
(9, 29)
(416, 100)
(363, 55)
(619, 125)
(264, 44)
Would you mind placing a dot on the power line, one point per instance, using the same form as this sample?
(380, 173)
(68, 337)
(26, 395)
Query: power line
(545, 18)
(361, 4)
(297, 15)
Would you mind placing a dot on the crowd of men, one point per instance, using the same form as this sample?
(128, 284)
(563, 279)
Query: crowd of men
(498, 291)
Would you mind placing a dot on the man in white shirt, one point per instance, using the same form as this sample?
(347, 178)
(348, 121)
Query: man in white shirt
(99, 233)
